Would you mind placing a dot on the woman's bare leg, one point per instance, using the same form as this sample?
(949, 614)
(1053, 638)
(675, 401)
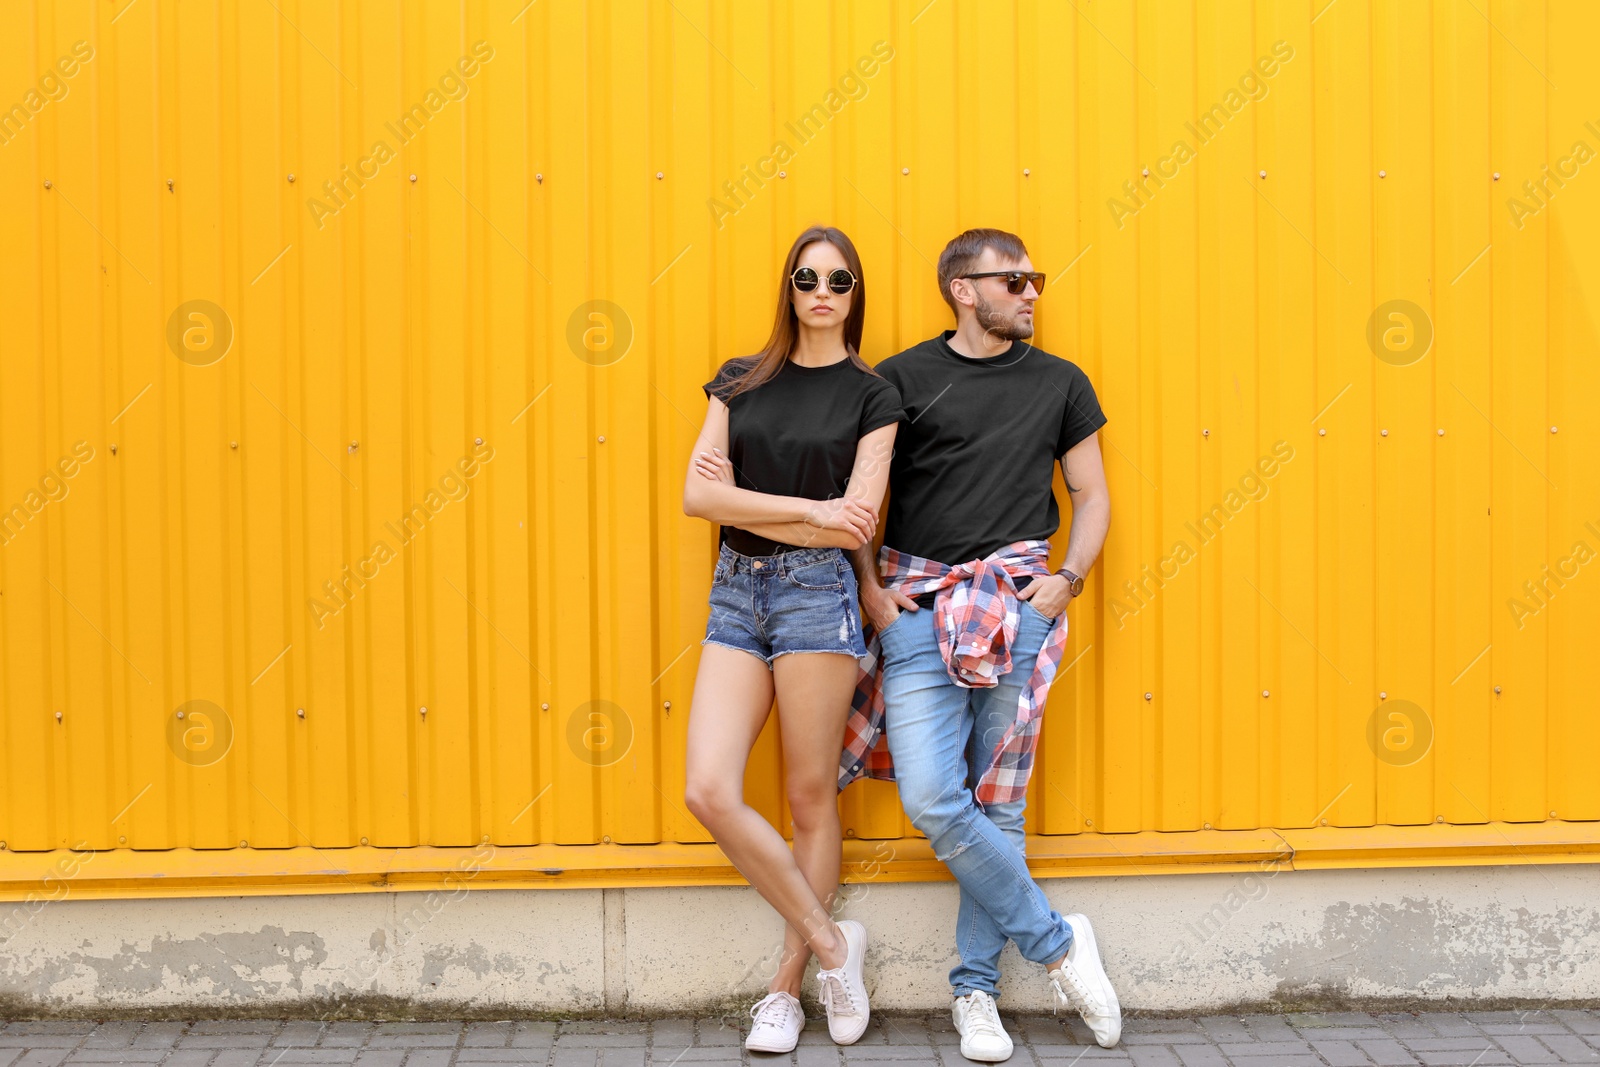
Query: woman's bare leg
(814, 692)
(732, 698)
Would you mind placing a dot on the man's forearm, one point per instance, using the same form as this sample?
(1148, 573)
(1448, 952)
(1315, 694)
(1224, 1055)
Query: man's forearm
(1091, 519)
(864, 561)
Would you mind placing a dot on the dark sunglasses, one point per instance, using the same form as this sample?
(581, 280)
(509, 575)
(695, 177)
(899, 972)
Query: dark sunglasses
(805, 279)
(1016, 280)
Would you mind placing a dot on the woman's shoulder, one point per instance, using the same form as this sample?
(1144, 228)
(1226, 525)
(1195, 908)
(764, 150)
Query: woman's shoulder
(731, 371)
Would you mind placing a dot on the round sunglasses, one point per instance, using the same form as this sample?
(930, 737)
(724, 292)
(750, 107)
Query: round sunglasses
(806, 279)
(1016, 280)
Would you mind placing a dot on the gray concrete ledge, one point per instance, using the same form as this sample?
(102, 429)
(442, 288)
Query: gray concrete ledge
(1524, 936)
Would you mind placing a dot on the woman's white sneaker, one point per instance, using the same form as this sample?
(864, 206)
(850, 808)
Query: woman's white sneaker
(1081, 982)
(844, 990)
(978, 1022)
(778, 1022)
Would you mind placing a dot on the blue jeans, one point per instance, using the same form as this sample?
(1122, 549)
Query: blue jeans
(941, 737)
(802, 600)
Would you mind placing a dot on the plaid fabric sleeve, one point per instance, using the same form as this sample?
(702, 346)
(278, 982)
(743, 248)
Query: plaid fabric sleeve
(1012, 763)
(866, 746)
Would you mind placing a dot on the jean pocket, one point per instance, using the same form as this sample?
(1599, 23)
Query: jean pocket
(720, 575)
(893, 622)
(1047, 618)
(824, 575)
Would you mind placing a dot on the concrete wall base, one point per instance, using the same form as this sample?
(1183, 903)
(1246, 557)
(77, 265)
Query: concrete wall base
(1480, 936)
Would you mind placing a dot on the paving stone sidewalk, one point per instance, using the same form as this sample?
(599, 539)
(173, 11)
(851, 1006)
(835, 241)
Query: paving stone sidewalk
(1331, 1039)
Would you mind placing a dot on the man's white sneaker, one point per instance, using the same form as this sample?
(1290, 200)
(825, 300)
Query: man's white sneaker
(982, 1037)
(1081, 983)
(778, 1022)
(844, 990)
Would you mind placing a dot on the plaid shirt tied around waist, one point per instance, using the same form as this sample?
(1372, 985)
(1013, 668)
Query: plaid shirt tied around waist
(976, 614)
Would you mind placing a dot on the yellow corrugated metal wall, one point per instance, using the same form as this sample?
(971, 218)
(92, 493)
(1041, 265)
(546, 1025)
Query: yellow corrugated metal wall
(308, 421)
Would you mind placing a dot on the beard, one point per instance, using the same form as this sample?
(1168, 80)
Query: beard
(1007, 328)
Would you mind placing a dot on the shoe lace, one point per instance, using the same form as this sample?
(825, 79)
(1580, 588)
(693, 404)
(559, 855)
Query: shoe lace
(1076, 992)
(835, 993)
(982, 1017)
(772, 1010)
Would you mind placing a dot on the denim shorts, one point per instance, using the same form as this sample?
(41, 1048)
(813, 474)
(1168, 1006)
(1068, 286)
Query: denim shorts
(803, 600)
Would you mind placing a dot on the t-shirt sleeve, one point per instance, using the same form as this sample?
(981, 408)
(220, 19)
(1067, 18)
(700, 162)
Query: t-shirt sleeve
(882, 407)
(727, 374)
(1082, 415)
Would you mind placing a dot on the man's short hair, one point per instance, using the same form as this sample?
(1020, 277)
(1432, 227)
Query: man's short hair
(961, 256)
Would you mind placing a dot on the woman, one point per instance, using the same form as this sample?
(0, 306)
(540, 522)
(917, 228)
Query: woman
(792, 463)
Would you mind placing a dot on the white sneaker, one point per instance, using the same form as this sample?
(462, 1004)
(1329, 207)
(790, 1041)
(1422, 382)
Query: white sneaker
(778, 1022)
(844, 990)
(982, 1037)
(1081, 983)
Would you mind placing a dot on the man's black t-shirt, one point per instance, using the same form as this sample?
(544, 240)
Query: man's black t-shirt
(796, 433)
(976, 450)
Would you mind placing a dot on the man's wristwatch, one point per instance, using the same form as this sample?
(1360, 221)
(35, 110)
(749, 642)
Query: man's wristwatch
(1074, 582)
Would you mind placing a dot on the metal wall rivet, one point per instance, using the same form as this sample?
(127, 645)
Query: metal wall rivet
(1324, 822)
(659, 175)
(47, 183)
(783, 174)
(301, 712)
(122, 839)
(413, 177)
(1088, 822)
(606, 840)
(1497, 690)
(1383, 696)
(1026, 172)
(1263, 174)
(1145, 172)
(1438, 818)
(424, 712)
(180, 713)
(1266, 692)
(538, 177)
(1552, 814)
(1322, 433)
(667, 704)
(544, 707)
(58, 717)
(1383, 174)
(602, 438)
(244, 844)
(363, 840)
(1207, 826)
(1383, 433)
(291, 179)
(233, 444)
(1552, 429)
(1149, 696)
(354, 445)
(1205, 433)
(477, 440)
(1496, 175)
(905, 170)
(169, 185)
(1441, 431)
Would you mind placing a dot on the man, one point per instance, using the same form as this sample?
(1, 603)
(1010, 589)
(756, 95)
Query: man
(950, 708)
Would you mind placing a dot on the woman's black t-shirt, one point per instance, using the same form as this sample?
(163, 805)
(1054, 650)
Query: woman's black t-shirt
(796, 433)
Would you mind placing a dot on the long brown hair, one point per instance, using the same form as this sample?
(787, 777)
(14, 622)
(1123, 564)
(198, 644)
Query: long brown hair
(786, 327)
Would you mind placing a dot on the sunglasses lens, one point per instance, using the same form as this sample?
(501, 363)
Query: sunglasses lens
(841, 281)
(1017, 282)
(805, 279)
